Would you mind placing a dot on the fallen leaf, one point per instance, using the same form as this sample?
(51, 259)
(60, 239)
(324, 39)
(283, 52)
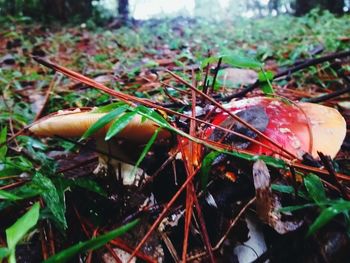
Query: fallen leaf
(234, 77)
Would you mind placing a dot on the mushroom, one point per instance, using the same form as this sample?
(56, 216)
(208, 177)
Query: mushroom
(298, 127)
(122, 151)
(74, 123)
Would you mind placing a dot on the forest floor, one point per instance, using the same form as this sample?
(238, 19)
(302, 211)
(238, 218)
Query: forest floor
(297, 59)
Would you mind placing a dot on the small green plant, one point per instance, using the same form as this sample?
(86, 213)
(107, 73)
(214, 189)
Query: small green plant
(316, 195)
(16, 232)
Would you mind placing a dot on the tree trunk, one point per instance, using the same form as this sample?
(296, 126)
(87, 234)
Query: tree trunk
(123, 10)
(302, 7)
(335, 6)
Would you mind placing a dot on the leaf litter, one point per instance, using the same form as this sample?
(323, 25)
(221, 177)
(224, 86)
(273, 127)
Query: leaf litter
(225, 194)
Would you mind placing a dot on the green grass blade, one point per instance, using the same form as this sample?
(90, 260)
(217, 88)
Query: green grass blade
(20, 228)
(109, 107)
(91, 244)
(152, 115)
(241, 61)
(265, 78)
(8, 196)
(315, 188)
(145, 151)
(119, 124)
(3, 148)
(234, 60)
(206, 166)
(104, 121)
(328, 214)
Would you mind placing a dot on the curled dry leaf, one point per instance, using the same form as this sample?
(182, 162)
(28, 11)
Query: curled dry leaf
(268, 204)
(298, 127)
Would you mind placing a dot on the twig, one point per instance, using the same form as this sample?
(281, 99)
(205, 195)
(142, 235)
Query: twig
(329, 166)
(163, 213)
(215, 76)
(204, 229)
(52, 84)
(307, 63)
(233, 223)
(329, 96)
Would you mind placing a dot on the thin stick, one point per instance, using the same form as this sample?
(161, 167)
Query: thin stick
(163, 213)
(233, 223)
(52, 84)
(288, 71)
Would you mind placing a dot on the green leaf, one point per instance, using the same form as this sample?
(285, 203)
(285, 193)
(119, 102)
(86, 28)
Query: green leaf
(152, 115)
(85, 183)
(3, 148)
(265, 75)
(8, 196)
(20, 228)
(315, 188)
(287, 190)
(328, 214)
(267, 88)
(119, 124)
(209, 60)
(144, 152)
(233, 60)
(271, 161)
(52, 199)
(104, 121)
(265, 79)
(91, 244)
(241, 61)
(293, 208)
(206, 166)
(4, 252)
(109, 107)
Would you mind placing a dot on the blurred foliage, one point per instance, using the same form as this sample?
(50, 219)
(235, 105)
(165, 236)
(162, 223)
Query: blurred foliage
(56, 10)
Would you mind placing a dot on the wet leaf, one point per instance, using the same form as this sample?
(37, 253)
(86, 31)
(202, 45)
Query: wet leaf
(91, 244)
(52, 199)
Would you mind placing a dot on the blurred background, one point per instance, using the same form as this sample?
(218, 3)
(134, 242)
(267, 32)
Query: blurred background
(105, 11)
